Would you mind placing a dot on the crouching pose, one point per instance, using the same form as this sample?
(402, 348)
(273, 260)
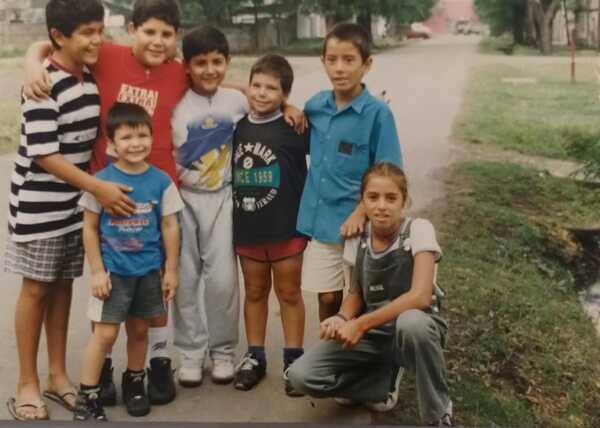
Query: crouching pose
(390, 319)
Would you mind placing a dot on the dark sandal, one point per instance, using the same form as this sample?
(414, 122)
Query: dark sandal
(60, 398)
(13, 410)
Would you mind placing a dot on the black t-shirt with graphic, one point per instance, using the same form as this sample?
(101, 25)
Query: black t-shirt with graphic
(269, 169)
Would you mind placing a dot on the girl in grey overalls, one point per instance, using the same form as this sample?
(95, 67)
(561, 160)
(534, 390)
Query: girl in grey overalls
(390, 318)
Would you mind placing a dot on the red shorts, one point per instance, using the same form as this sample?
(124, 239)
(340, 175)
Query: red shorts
(273, 252)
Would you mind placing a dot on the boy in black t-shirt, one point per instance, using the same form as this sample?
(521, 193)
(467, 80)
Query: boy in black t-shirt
(269, 172)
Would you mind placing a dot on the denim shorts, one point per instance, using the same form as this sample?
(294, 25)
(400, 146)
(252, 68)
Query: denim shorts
(136, 296)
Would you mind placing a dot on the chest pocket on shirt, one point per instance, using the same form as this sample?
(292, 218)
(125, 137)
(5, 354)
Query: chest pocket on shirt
(352, 158)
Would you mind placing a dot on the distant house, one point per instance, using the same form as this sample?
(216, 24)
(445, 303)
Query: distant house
(586, 24)
(447, 13)
(23, 21)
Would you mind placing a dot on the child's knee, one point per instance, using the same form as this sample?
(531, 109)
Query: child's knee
(35, 290)
(257, 294)
(105, 334)
(331, 298)
(289, 296)
(137, 330)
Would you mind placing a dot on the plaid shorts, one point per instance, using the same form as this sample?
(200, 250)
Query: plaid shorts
(46, 260)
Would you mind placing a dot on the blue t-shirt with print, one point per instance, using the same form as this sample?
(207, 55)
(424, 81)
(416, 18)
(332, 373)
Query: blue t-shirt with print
(132, 245)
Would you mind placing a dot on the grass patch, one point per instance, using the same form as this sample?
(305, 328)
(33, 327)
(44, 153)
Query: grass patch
(535, 118)
(521, 352)
(505, 44)
(11, 52)
(9, 128)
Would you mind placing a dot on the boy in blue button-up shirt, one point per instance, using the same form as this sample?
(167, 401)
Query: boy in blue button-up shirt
(350, 131)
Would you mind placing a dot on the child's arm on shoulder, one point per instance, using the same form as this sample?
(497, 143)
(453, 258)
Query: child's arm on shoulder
(110, 195)
(169, 228)
(91, 243)
(355, 223)
(37, 84)
(294, 117)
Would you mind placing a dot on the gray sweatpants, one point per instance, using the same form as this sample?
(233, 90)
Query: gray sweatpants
(363, 372)
(206, 306)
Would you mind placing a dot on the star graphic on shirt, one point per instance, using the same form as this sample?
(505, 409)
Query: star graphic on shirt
(248, 147)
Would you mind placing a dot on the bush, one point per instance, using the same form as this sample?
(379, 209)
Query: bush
(584, 147)
(503, 43)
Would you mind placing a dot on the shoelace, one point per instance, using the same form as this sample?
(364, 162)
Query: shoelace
(137, 386)
(247, 363)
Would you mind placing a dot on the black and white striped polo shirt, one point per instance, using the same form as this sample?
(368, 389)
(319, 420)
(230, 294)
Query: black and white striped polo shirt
(41, 205)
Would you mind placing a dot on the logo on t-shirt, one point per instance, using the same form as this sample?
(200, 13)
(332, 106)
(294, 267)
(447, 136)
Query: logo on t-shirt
(256, 176)
(143, 97)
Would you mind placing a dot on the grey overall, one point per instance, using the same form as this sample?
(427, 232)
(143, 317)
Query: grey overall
(414, 340)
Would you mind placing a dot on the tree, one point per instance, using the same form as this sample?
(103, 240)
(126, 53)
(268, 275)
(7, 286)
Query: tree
(543, 13)
(402, 11)
(504, 16)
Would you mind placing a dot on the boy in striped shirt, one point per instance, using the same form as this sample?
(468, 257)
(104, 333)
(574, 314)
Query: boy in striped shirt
(44, 243)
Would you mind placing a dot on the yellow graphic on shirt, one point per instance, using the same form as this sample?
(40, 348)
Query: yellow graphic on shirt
(211, 167)
(209, 123)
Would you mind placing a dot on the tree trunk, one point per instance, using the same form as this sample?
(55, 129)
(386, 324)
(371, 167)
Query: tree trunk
(364, 19)
(544, 14)
(518, 24)
(598, 31)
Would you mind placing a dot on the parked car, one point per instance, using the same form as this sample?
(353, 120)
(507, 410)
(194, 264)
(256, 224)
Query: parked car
(418, 30)
(462, 26)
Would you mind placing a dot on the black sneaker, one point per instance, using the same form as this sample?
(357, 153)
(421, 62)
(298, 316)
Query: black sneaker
(108, 391)
(249, 373)
(134, 394)
(290, 391)
(161, 385)
(88, 406)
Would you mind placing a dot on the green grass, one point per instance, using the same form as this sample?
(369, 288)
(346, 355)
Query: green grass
(521, 352)
(9, 128)
(504, 45)
(534, 119)
(11, 52)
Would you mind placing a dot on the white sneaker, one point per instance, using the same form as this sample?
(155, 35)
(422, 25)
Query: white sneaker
(222, 369)
(392, 399)
(189, 376)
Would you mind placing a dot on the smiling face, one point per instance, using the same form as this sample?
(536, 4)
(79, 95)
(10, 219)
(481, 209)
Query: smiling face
(384, 203)
(81, 47)
(154, 42)
(345, 67)
(132, 144)
(207, 71)
(265, 94)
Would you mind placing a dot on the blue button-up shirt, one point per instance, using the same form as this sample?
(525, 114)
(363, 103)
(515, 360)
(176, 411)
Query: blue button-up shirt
(343, 145)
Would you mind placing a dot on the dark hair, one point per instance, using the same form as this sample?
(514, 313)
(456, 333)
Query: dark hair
(67, 15)
(353, 33)
(202, 40)
(387, 170)
(276, 66)
(126, 114)
(163, 10)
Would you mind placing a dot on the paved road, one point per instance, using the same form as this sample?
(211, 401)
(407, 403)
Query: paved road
(425, 82)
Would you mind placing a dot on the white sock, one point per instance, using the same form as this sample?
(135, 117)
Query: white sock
(158, 343)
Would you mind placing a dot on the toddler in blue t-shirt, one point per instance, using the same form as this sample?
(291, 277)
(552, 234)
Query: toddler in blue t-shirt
(126, 255)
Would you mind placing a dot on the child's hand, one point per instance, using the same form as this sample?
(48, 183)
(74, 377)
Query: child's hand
(37, 85)
(350, 334)
(101, 285)
(330, 327)
(113, 199)
(295, 118)
(354, 225)
(170, 283)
